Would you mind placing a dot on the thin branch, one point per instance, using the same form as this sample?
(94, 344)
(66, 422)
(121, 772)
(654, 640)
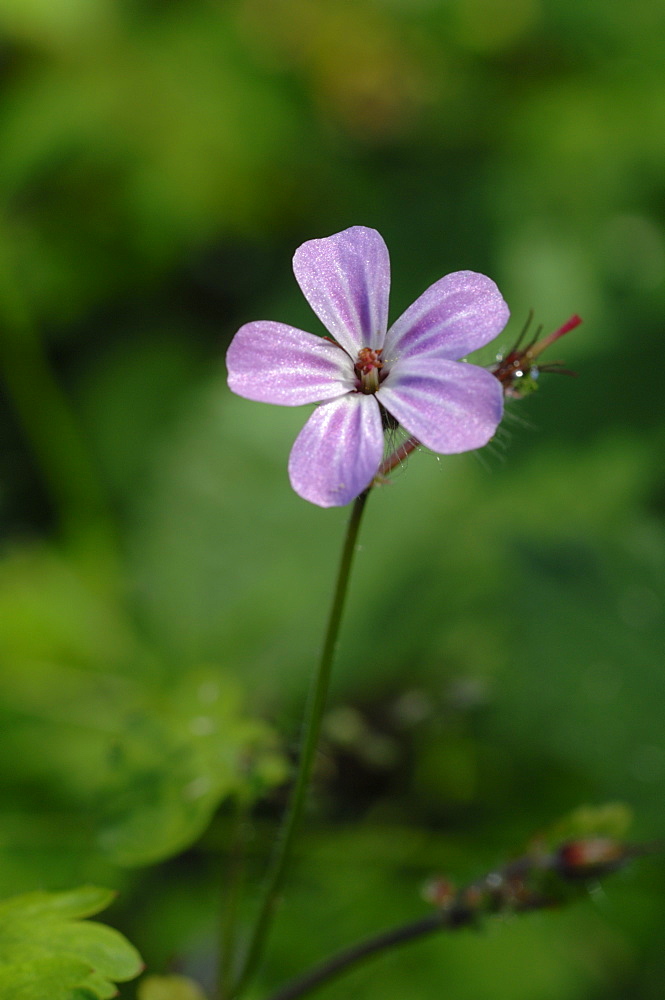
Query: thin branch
(533, 882)
(339, 963)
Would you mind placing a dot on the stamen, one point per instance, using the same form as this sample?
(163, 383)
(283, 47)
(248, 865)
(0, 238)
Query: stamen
(367, 368)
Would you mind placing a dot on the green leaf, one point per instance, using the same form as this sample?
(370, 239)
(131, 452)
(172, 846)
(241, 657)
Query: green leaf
(611, 819)
(76, 903)
(45, 977)
(177, 761)
(47, 950)
(145, 757)
(169, 988)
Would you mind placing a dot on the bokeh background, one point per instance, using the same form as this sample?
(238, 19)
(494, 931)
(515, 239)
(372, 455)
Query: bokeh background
(163, 591)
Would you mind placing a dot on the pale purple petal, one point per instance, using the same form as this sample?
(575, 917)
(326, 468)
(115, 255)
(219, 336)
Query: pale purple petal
(274, 363)
(450, 406)
(338, 451)
(456, 315)
(346, 280)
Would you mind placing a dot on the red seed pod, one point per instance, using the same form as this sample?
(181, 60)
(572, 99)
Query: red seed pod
(590, 856)
(518, 370)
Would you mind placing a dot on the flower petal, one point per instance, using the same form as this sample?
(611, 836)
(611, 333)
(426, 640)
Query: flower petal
(456, 315)
(274, 363)
(450, 406)
(346, 280)
(338, 451)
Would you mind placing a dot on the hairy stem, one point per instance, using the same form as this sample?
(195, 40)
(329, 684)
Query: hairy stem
(401, 452)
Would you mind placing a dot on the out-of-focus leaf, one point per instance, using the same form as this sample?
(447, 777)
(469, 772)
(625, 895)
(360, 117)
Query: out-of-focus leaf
(138, 127)
(169, 988)
(87, 708)
(613, 819)
(48, 950)
(173, 766)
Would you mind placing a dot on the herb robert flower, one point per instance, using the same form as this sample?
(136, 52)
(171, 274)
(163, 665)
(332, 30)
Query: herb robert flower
(412, 371)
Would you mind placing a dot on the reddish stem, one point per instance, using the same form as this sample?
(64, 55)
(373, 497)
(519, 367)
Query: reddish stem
(398, 456)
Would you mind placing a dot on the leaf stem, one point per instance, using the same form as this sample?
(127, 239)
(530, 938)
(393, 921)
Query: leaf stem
(310, 736)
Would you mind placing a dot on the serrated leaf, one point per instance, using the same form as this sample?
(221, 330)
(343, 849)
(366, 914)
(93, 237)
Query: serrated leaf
(46, 977)
(169, 988)
(46, 950)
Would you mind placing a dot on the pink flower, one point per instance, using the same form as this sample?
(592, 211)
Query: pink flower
(411, 371)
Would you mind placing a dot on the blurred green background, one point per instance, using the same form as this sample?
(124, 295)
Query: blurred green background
(162, 588)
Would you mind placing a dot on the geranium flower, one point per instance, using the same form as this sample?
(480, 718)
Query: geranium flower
(411, 371)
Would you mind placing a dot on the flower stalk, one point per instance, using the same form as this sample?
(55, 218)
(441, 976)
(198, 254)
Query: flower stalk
(310, 737)
(368, 377)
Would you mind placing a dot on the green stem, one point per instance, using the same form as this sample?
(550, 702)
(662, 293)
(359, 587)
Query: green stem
(311, 729)
(233, 885)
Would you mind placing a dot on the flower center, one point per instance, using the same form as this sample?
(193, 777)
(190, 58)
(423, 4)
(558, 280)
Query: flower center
(368, 368)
